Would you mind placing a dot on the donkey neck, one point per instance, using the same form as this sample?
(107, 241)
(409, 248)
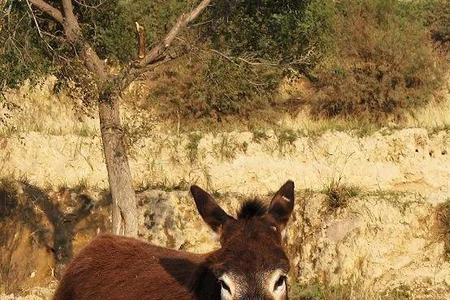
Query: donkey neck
(204, 284)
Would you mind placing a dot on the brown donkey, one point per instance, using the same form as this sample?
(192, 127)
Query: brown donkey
(251, 263)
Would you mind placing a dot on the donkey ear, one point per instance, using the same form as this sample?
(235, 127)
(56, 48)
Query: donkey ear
(282, 204)
(210, 211)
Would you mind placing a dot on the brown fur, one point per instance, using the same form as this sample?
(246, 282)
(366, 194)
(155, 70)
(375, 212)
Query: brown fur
(114, 267)
(118, 268)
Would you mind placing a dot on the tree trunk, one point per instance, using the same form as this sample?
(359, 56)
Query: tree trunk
(124, 210)
(124, 214)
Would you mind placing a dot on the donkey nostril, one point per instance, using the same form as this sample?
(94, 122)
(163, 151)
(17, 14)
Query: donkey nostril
(280, 282)
(224, 286)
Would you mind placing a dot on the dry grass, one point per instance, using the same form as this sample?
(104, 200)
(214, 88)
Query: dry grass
(338, 194)
(434, 115)
(353, 291)
(37, 108)
(443, 224)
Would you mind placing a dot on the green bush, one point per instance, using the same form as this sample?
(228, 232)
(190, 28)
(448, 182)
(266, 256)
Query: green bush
(255, 45)
(111, 26)
(276, 31)
(23, 54)
(108, 25)
(384, 62)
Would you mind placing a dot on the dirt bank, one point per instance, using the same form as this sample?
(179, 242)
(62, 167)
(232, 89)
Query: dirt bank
(405, 160)
(380, 242)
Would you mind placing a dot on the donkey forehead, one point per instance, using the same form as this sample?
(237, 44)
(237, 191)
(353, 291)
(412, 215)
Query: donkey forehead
(252, 262)
(256, 228)
(248, 258)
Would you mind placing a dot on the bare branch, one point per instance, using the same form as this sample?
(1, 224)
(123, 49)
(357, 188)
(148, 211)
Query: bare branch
(141, 40)
(48, 9)
(38, 28)
(81, 3)
(157, 54)
(71, 26)
(232, 59)
(135, 73)
(68, 9)
(182, 22)
(34, 18)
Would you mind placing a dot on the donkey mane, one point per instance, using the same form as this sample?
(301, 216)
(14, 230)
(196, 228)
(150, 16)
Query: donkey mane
(251, 208)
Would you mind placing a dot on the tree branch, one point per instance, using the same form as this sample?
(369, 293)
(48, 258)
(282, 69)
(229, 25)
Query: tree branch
(71, 26)
(68, 9)
(140, 30)
(73, 35)
(135, 73)
(182, 22)
(48, 9)
(34, 18)
(154, 57)
(157, 53)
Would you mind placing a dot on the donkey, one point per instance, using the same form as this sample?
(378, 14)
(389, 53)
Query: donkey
(251, 263)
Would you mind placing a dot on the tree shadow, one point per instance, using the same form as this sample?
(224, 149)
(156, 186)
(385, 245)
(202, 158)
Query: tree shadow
(63, 223)
(34, 208)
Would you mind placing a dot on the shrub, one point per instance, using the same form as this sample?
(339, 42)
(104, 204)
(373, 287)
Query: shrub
(443, 224)
(277, 31)
(367, 58)
(192, 146)
(438, 19)
(207, 85)
(370, 59)
(24, 54)
(111, 25)
(384, 62)
(255, 45)
(338, 194)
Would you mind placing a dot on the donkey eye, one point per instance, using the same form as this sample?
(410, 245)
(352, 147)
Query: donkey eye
(280, 282)
(224, 286)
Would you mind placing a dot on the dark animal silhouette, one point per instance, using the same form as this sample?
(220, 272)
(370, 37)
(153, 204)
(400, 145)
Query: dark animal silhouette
(251, 263)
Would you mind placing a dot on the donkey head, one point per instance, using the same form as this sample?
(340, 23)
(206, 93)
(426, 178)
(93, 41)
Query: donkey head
(251, 263)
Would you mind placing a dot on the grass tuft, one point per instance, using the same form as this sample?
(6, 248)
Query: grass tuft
(443, 224)
(338, 194)
(192, 146)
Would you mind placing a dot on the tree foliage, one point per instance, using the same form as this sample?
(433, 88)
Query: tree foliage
(291, 33)
(30, 51)
(24, 53)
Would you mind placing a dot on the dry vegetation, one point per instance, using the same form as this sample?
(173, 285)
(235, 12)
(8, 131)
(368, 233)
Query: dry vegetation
(384, 64)
(345, 292)
(338, 194)
(443, 224)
